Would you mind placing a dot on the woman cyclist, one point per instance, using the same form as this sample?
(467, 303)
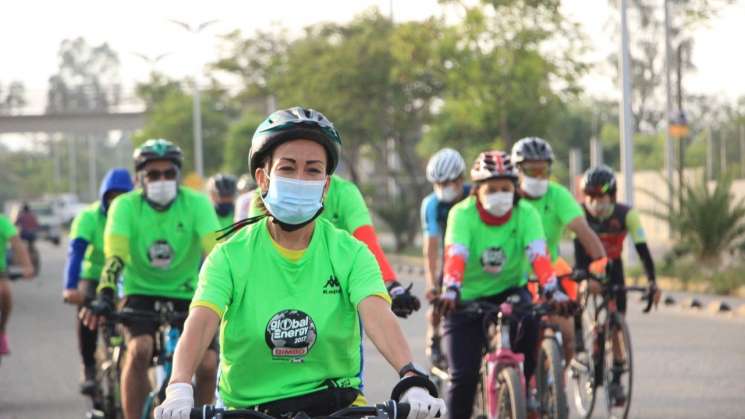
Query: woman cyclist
(487, 238)
(290, 291)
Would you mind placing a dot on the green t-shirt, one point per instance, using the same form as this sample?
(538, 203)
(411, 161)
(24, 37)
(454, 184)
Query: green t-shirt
(7, 230)
(343, 205)
(557, 208)
(497, 255)
(161, 249)
(89, 225)
(225, 221)
(287, 326)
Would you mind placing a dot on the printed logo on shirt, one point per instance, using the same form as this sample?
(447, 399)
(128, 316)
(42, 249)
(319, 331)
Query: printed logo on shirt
(332, 286)
(290, 334)
(492, 260)
(160, 254)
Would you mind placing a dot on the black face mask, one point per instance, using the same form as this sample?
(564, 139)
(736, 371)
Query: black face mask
(224, 209)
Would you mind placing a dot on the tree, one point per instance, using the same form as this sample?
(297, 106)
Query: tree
(14, 99)
(238, 143)
(503, 82)
(171, 118)
(87, 78)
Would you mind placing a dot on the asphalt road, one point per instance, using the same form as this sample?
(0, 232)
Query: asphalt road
(688, 365)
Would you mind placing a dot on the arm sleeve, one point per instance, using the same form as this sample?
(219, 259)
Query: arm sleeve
(75, 254)
(366, 234)
(365, 279)
(428, 214)
(116, 234)
(646, 257)
(581, 258)
(634, 227)
(457, 242)
(215, 285)
(206, 223)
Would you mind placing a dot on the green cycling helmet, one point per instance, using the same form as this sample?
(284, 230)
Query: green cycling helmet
(157, 149)
(292, 124)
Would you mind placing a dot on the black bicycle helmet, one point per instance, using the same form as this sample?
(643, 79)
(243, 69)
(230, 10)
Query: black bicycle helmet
(291, 124)
(157, 149)
(599, 180)
(532, 148)
(223, 185)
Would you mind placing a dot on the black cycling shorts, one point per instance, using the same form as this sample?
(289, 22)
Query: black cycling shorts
(616, 276)
(135, 328)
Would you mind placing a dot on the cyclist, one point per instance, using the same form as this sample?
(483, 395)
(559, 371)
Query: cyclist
(612, 221)
(156, 236)
(558, 210)
(445, 171)
(223, 190)
(291, 291)
(84, 263)
(345, 207)
(493, 238)
(28, 223)
(8, 232)
(246, 186)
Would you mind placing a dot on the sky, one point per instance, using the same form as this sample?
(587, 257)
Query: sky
(31, 31)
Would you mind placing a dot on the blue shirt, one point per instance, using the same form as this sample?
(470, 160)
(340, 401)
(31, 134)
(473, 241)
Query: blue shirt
(434, 213)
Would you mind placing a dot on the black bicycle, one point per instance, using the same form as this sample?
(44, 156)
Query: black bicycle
(107, 398)
(603, 357)
(388, 410)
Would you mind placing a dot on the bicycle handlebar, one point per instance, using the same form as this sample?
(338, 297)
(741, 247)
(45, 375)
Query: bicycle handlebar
(387, 410)
(155, 316)
(579, 275)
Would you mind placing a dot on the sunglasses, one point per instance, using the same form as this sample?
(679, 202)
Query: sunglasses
(536, 171)
(155, 175)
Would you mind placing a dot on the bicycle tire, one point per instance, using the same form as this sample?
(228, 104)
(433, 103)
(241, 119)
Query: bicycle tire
(550, 380)
(480, 401)
(618, 323)
(510, 395)
(582, 367)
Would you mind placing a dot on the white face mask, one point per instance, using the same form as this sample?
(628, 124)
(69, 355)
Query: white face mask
(499, 203)
(161, 192)
(293, 201)
(600, 209)
(534, 187)
(446, 194)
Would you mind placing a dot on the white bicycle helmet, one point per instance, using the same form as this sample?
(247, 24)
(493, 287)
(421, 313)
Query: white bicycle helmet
(445, 165)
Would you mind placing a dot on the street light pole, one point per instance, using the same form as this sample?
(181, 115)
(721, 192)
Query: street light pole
(197, 107)
(669, 152)
(626, 122)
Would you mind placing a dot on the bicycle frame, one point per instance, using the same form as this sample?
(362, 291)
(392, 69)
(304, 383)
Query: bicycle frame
(500, 358)
(166, 339)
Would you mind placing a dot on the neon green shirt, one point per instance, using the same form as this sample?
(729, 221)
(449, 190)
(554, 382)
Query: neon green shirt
(497, 257)
(287, 326)
(343, 206)
(7, 230)
(89, 225)
(225, 221)
(161, 249)
(557, 208)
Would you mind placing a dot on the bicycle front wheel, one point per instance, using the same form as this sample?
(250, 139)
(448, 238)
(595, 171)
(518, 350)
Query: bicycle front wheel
(618, 368)
(582, 367)
(550, 381)
(510, 395)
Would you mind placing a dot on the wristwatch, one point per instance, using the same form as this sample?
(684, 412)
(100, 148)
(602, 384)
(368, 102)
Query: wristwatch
(411, 368)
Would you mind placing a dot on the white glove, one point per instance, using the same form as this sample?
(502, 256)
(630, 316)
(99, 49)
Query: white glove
(423, 406)
(178, 403)
(557, 295)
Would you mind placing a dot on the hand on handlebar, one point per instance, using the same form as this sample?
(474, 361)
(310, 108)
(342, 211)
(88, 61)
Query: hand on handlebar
(422, 405)
(178, 403)
(654, 295)
(449, 300)
(96, 312)
(553, 292)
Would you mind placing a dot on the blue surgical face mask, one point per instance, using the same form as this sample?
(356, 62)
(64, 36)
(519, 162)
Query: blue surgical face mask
(293, 201)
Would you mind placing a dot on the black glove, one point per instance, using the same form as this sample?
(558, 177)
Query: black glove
(650, 297)
(403, 302)
(103, 304)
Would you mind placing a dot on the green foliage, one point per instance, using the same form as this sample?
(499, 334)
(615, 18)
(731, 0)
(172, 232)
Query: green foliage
(708, 223)
(238, 143)
(171, 118)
